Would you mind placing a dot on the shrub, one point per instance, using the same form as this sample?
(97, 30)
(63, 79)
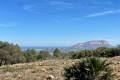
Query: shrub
(43, 55)
(10, 54)
(5, 57)
(89, 69)
(57, 53)
(30, 55)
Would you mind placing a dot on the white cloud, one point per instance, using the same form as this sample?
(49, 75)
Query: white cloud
(104, 13)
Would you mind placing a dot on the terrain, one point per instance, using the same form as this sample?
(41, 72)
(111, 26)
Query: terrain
(46, 70)
(93, 44)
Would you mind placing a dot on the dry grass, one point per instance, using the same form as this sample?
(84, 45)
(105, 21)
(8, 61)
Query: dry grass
(42, 70)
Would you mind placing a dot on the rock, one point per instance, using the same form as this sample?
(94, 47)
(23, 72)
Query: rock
(19, 76)
(33, 71)
(8, 74)
(50, 77)
(118, 63)
(51, 69)
(43, 70)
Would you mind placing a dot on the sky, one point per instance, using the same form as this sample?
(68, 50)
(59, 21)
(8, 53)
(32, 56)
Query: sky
(59, 22)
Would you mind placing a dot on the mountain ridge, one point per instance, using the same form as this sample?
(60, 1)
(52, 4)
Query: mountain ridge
(93, 44)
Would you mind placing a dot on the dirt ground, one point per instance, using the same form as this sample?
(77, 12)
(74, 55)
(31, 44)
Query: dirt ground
(46, 70)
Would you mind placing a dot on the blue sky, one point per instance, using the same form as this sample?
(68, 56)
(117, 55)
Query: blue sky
(59, 22)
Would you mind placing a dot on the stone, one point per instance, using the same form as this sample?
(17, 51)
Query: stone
(50, 77)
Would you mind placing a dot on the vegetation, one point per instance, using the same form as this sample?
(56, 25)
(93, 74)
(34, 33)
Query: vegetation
(89, 69)
(12, 54)
(4, 57)
(57, 53)
(30, 55)
(99, 52)
(43, 55)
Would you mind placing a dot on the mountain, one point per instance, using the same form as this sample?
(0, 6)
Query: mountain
(91, 45)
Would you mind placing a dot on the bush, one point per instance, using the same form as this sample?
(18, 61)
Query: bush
(82, 54)
(89, 69)
(30, 55)
(43, 55)
(5, 57)
(10, 54)
(57, 53)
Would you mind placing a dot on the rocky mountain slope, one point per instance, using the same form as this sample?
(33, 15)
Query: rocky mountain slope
(92, 44)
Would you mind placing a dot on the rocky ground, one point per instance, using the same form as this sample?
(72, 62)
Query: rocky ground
(45, 70)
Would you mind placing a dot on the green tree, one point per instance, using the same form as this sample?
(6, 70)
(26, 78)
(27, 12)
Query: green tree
(89, 69)
(30, 55)
(102, 52)
(5, 58)
(13, 51)
(57, 53)
(16, 53)
(113, 52)
(43, 55)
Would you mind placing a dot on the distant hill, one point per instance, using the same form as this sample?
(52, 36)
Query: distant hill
(91, 45)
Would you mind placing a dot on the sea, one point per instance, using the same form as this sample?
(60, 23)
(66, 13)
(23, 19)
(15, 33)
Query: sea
(39, 48)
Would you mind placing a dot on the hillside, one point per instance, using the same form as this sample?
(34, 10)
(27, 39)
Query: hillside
(91, 45)
(44, 70)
